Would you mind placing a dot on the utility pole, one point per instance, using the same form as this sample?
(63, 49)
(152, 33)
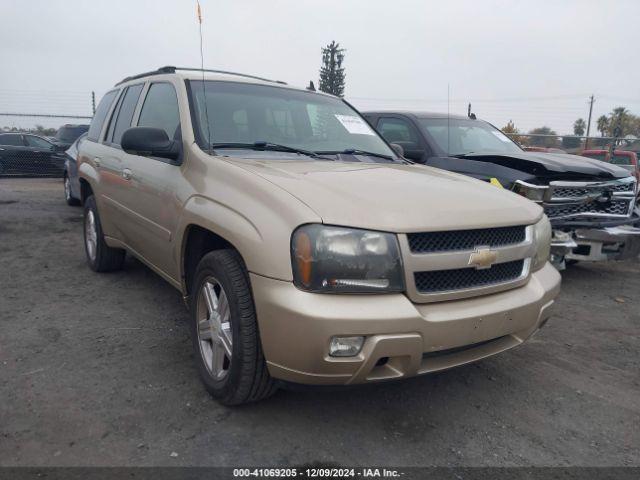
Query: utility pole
(93, 103)
(586, 141)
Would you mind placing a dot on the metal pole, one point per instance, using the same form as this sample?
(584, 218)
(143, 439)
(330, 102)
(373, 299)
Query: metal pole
(586, 142)
(93, 102)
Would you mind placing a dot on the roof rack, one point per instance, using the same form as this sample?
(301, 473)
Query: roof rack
(170, 69)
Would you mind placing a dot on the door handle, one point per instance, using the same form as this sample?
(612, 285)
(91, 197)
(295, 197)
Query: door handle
(96, 162)
(126, 174)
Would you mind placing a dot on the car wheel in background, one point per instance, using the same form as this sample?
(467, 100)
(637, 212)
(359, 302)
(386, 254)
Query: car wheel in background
(225, 333)
(100, 257)
(71, 200)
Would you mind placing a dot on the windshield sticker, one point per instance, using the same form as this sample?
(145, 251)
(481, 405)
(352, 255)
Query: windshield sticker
(354, 125)
(501, 136)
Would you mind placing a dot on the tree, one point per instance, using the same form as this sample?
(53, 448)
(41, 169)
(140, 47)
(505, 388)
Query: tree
(579, 127)
(332, 76)
(543, 141)
(620, 122)
(511, 131)
(602, 124)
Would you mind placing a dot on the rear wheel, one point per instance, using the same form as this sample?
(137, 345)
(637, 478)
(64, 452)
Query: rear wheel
(225, 333)
(100, 256)
(71, 200)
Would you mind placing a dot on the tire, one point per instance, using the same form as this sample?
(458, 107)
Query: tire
(71, 201)
(100, 257)
(241, 377)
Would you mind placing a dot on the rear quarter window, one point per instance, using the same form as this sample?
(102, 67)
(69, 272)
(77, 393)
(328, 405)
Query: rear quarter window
(101, 114)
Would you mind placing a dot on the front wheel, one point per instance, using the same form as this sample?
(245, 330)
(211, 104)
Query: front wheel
(225, 333)
(100, 256)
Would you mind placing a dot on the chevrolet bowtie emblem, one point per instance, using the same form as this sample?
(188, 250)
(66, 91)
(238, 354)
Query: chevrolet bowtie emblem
(483, 257)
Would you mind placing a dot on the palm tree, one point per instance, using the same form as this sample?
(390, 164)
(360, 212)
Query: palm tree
(619, 121)
(602, 125)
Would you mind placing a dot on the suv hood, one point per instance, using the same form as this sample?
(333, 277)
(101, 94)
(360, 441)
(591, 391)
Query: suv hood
(554, 166)
(394, 197)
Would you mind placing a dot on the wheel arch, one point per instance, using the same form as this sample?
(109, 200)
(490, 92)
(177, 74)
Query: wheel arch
(197, 241)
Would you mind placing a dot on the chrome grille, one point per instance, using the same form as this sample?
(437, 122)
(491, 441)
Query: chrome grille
(609, 208)
(575, 191)
(431, 242)
(568, 192)
(465, 278)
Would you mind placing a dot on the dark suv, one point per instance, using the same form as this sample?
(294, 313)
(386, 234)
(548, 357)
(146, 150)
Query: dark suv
(67, 134)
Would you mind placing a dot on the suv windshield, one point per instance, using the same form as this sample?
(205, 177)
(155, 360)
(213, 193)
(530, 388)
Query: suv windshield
(467, 136)
(242, 115)
(70, 134)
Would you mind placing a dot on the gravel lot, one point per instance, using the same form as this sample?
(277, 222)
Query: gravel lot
(97, 370)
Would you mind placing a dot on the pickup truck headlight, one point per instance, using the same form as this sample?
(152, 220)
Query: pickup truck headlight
(542, 241)
(535, 193)
(345, 260)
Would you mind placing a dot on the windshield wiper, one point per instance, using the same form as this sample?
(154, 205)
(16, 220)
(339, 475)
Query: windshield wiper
(273, 147)
(356, 151)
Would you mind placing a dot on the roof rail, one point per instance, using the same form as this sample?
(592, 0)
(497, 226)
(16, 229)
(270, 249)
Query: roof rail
(159, 71)
(170, 69)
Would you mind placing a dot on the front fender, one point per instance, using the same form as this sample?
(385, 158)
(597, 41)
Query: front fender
(260, 232)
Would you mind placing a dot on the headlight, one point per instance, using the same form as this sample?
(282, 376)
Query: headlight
(345, 260)
(542, 241)
(534, 193)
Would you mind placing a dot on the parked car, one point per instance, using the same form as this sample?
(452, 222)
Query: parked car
(29, 155)
(623, 158)
(591, 204)
(67, 134)
(306, 249)
(71, 181)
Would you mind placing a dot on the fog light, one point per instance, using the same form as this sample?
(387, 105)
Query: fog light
(345, 346)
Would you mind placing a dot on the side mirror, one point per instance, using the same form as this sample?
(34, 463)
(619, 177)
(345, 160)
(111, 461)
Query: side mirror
(399, 151)
(150, 142)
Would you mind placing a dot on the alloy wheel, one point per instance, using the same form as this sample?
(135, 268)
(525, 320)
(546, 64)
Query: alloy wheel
(214, 328)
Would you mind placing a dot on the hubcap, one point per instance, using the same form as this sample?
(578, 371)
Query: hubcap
(214, 328)
(91, 235)
(67, 188)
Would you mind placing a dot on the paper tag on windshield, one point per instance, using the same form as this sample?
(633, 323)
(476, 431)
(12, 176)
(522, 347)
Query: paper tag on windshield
(354, 125)
(501, 136)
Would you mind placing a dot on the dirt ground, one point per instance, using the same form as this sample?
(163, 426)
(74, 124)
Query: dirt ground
(96, 369)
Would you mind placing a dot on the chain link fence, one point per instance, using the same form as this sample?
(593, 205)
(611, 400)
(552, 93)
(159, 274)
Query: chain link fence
(25, 163)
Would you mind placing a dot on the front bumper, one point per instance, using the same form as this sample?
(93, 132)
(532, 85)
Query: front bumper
(598, 244)
(403, 339)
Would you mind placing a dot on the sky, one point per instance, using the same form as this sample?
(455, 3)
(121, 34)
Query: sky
(535, 63)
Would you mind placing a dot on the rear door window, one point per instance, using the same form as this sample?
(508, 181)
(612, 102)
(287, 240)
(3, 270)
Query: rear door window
(101, 114)
(160, 109)
(125, 114)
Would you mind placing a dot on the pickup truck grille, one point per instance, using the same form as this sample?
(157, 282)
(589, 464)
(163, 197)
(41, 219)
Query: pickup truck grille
(573, 192)
(466, 278)
(430, 242)
(619, 208)
(575, 200)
